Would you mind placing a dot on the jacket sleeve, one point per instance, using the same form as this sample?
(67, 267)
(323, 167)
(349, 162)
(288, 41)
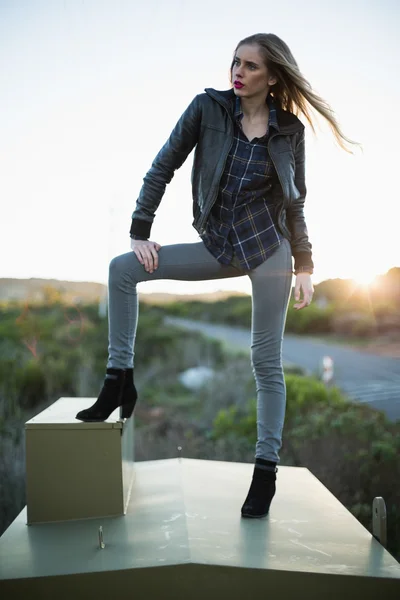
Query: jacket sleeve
(301, 247)
(171, 156)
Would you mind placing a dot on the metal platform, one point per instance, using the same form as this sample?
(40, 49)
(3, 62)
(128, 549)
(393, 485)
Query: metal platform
(183, 537)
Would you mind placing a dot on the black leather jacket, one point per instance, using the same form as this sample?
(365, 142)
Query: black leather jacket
(207, 123)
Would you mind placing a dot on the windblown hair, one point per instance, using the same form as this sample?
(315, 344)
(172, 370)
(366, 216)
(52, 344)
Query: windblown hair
(292, 92)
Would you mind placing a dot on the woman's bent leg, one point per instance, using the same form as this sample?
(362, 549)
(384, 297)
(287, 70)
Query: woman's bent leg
(271, 284)
(184, 262)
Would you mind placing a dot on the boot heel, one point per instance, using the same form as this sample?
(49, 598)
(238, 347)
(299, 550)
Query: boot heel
(126, 410)
(118, 386)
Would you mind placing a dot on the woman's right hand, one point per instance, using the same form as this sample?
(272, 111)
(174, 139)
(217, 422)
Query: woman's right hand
(147, 253)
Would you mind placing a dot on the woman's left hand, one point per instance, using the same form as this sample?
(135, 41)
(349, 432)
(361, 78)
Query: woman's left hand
(304, 283)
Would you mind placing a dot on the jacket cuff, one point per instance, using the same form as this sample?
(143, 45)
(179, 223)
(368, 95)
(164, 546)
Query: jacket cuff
(140, 228)
(303, 263)
(304, 269)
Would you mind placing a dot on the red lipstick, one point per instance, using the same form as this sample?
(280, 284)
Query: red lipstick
(238, 84)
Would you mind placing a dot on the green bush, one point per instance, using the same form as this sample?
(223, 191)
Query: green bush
(314, 320)
(303, 394)
(32, 384)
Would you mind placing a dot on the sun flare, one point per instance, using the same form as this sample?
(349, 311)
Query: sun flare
(364, 279)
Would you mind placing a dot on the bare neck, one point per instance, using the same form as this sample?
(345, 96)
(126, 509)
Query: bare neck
(254, 111)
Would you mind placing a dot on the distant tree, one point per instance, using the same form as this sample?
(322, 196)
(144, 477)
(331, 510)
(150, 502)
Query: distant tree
(51, 295)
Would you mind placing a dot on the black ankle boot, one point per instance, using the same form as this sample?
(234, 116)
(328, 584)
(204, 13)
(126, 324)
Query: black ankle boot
(118, 390)
(261, 492)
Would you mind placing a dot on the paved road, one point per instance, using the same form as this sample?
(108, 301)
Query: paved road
(365, 377)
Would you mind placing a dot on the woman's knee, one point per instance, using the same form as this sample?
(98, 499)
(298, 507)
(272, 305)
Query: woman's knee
(266, 358)
(122, 266)
(115, 267)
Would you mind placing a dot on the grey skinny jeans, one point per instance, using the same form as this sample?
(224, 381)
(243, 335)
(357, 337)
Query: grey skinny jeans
(271, 284)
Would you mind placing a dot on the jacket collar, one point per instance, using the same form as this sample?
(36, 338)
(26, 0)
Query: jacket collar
(287, 121)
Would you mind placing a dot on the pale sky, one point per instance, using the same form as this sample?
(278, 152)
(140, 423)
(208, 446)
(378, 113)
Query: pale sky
(90, 91)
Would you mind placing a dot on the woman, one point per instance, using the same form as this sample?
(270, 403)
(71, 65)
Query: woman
(248, 196)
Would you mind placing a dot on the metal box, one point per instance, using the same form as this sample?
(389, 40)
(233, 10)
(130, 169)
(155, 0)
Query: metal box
(77, 470)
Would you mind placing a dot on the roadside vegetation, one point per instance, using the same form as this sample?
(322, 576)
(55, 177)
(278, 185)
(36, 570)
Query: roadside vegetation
(53, 349)
(341, 309)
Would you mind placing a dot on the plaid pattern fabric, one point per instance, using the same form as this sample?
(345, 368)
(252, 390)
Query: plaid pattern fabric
(241, 221)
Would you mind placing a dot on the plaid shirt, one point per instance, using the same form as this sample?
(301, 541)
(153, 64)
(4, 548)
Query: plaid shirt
(240, 223)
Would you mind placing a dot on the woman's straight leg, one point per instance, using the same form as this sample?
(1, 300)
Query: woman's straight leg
(184, 262)
(271, 285)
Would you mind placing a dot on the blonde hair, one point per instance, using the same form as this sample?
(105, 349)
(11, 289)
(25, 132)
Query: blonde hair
(292, 92)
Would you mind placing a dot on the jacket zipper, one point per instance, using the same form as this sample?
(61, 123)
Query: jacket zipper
(273, 162)
(201, 224)
(281, 226)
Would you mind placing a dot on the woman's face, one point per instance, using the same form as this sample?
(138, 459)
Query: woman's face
(250, 76)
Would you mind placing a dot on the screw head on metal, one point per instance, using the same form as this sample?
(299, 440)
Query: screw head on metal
(101, 541)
